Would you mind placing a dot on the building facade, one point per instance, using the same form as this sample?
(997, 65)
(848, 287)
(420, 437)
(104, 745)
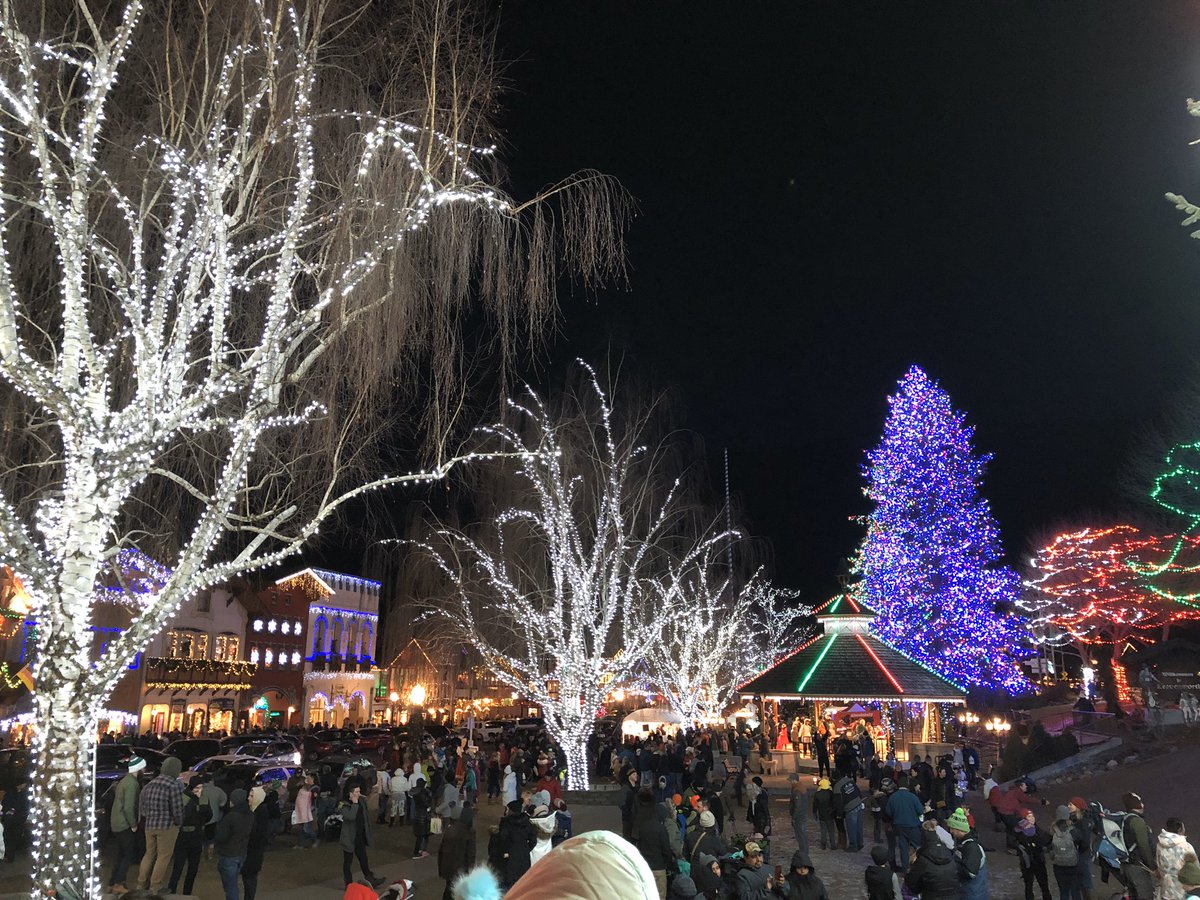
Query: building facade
(194, 673)
(276, 636)
(340, 678)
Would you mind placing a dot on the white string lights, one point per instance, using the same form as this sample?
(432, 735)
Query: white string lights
(153, 345)
(557, 598)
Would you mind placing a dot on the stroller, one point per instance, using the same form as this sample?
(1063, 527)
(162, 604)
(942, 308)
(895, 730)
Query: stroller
(332, 829)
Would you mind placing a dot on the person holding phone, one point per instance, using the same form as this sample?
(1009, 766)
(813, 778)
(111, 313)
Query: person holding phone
(801, 882)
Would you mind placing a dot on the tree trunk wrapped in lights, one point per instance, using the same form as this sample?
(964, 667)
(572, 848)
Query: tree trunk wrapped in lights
(555, 592)
(210, 275)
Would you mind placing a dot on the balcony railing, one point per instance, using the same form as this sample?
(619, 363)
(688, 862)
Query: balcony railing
(198, 674)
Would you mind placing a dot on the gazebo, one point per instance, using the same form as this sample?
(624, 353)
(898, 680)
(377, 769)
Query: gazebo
(846, 663)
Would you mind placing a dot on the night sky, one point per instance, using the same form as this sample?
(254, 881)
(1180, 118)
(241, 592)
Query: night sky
(831, 192)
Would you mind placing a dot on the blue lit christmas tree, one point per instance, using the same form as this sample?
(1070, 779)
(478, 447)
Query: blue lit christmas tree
(931, 558)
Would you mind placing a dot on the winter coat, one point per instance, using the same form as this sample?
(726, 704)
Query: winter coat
(196, 815)
(1172, 848)
(882, 883)
(704, 841)
(544, 826)
(304, 805)
(514, 841)
(456, 854)
(651, 838)
(752, 883)
(759, 813)
(823, 805)
(233, 831)
(448, 806)
(125, 803)
(422, 803)
(803, 887)
(905, 809)
(351, 812)
(1031, 848)
(934, 874)
(256, 844)
(508, 792)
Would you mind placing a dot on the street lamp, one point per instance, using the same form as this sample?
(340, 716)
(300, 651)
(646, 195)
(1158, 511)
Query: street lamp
(393, 698)
(1000, 728)
(416, 700)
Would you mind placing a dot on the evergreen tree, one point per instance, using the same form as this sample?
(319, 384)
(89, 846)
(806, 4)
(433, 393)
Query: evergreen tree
(931, 557)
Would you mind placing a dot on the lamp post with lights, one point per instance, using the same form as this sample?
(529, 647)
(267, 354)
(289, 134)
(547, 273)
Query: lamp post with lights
(1000, 729)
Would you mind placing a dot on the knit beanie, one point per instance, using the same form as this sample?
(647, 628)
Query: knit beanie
(879, 855)
(683, 888)
(1079, 803)
(171, 766)
(958, 821)
(478, 884)
(707, 819)
(1062, 814)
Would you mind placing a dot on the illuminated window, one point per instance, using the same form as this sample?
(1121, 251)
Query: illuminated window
(226, 647)
(299, 628)
(186, 644)
(268, 657)
(258, 624)
(272, 625)
(295, 657)
(286, 627)
(254, 655)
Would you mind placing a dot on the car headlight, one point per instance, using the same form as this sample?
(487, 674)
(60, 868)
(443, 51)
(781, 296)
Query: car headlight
(296, 757)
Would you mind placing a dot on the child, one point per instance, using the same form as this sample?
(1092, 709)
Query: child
(882, 882)
(1032, 842)
(823, 813)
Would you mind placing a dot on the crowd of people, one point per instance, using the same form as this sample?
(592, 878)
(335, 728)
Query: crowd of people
(695, 814)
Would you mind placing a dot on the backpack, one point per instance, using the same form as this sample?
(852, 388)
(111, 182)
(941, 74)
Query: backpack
(1062, 848)
(1113, 847)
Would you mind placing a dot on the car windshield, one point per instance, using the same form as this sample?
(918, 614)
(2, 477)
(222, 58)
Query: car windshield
(254, 748)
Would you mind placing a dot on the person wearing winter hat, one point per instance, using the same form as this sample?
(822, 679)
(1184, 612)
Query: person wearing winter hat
(190, 843)
(1067, 845)
(161, 808)
(823, 809)
(230, 841)
(509, 848)
(801, 882)
(882, 882)
(545, 823)
(124, 823)
(356, 891)
(706, 872)
(704, 840)
(972, 859)
(1032, 842)
(598, 865)
(683, 888)
(1139, 871)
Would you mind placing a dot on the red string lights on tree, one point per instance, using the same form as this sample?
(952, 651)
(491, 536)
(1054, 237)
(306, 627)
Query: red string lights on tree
(1089, 588)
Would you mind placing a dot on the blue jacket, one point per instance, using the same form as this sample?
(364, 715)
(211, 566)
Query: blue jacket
(905, 809)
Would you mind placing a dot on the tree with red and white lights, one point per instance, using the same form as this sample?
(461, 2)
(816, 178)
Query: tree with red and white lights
(1088, 588)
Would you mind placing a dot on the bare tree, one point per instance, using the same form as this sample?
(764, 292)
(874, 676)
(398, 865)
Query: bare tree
(556, 591)
(209, 276)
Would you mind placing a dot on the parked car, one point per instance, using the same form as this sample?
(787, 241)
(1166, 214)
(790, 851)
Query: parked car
(530, 724)
(190, 751)
(493, 729)
(283, 753)
(246, 775)
(314, 748)
(370, 740)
